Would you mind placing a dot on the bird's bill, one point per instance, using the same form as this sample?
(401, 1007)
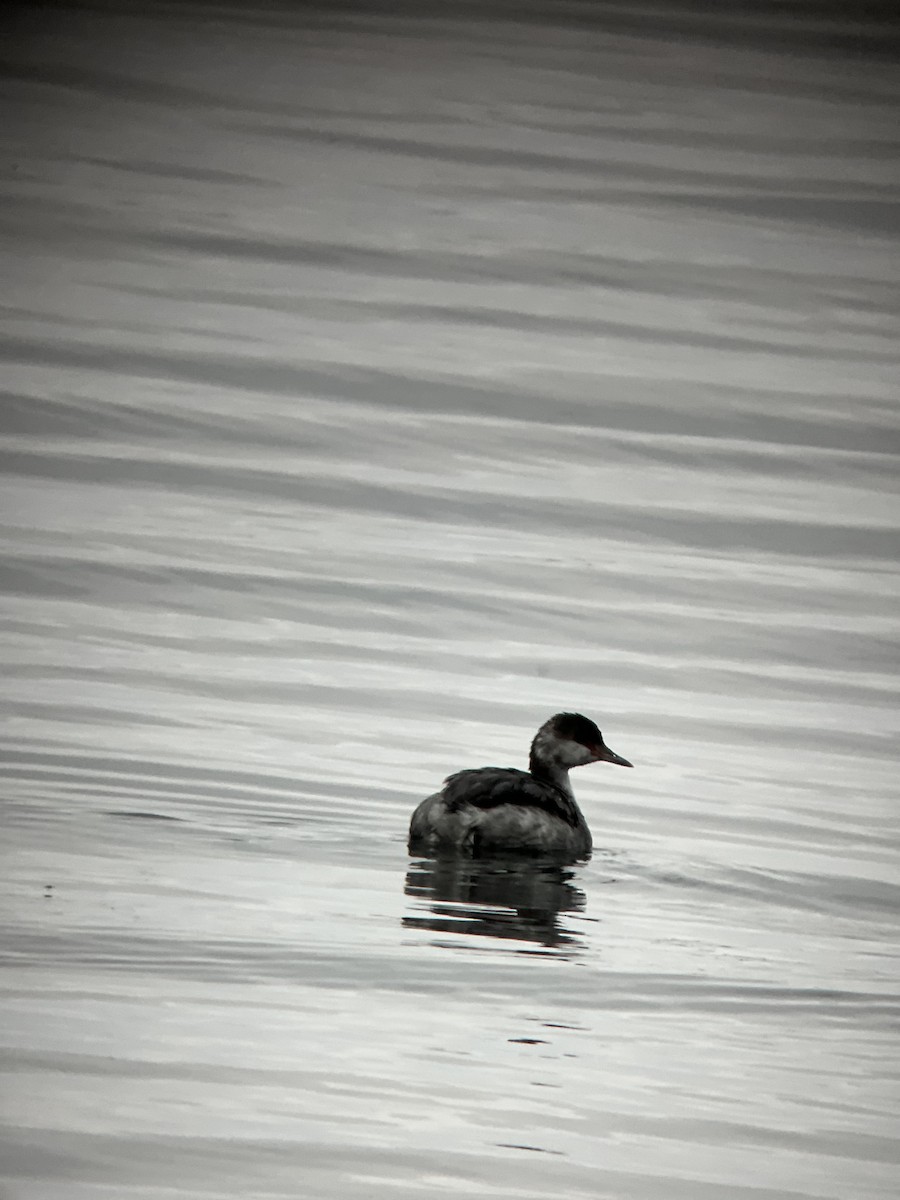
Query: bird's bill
(604, 754)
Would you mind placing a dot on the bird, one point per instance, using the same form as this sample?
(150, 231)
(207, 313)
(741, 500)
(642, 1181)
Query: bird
(492, 811)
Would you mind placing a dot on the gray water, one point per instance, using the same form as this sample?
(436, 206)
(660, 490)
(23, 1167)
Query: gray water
(374, 387)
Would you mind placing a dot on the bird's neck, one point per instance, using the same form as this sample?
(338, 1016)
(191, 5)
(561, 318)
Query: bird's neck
(549, 771)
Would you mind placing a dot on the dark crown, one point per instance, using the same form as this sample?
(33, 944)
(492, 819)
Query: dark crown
(577, 728)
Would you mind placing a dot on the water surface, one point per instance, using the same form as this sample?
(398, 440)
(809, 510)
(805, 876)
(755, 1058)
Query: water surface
(376, 385)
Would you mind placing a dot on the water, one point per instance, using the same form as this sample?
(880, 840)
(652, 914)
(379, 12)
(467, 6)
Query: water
(374, 387)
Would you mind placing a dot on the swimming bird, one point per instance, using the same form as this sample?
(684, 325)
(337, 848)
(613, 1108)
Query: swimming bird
(501, 810)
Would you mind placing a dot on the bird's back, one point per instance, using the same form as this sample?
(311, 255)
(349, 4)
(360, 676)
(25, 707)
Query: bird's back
(489, 787)
(497, 809)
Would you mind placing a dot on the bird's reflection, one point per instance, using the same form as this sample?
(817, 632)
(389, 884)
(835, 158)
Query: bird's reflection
(496, 898)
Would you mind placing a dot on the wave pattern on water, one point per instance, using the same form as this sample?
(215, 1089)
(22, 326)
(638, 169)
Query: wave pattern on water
(377, 381)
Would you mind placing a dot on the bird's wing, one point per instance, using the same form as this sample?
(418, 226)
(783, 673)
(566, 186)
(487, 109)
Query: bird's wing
(488, 787)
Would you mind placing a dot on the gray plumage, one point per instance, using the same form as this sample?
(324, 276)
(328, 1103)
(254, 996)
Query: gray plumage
(499, 810)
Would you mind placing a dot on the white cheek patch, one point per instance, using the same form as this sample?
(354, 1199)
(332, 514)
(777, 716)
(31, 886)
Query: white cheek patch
(573, 754)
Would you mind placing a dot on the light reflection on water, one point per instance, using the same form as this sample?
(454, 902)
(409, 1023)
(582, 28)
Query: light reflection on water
(376, 386)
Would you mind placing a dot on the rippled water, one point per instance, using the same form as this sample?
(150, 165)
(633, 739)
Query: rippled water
(374, 387)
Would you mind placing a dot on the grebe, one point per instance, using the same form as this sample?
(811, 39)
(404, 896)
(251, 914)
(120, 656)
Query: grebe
(497, 810)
